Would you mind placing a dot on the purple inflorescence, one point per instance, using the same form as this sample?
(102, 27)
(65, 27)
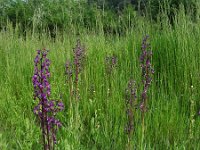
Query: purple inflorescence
(130, 98)
(46, 109)
(79, 55)
(147, 70)
(73, 69)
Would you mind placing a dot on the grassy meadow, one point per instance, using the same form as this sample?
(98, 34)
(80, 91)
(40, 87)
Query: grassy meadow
(98, 119)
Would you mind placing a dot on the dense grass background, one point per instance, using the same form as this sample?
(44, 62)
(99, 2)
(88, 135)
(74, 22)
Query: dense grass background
(172, 121)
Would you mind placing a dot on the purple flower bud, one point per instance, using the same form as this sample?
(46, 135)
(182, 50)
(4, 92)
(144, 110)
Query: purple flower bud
(36, 60)
(51, 105)
(48, 93)
(35, 76)
(48, 86)
(60, 106)
(38, 52)
(148, 63)
(48, 74)
(41, 86)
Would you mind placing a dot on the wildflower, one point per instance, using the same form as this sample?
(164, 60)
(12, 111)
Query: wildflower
(79, 55)
(46, 109)
(147, 70)
(73, 69)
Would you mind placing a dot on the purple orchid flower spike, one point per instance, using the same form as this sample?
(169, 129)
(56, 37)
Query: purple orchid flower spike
(46, 109)
(147, 70)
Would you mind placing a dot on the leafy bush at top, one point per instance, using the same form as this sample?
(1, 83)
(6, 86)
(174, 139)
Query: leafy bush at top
(110, 16)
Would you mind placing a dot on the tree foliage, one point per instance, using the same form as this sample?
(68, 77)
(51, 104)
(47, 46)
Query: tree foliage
(90, 14)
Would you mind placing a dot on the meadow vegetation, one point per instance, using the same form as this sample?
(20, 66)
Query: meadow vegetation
(95, 108)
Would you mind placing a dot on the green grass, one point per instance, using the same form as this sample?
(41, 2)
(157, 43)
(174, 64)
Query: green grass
(171, 121)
